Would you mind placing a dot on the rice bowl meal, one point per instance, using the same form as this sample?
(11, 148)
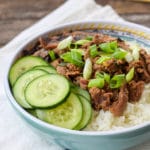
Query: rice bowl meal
(84, 80)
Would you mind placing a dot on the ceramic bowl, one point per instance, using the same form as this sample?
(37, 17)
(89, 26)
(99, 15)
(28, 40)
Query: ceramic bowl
(84, 140)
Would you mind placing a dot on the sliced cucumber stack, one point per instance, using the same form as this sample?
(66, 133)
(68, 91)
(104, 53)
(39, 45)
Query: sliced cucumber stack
(49, 96)
(24, 64)
(47, 90)
(21, 84)
(67, 114)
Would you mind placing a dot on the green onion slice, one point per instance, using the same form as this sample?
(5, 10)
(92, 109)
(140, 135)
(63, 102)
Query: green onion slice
(81, 51)
(108, 47)
(130, 75)
(119, 54)
(87, 71)
(99, 82)
(93, 51)
(99, 75)
(73, 57)
(82, 42)
(52, 55)
(103, 59)
(90, 38)
(65, 43)
(106, 77)
(117, 81)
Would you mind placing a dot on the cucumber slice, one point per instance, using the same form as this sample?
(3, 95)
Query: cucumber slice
(47, 90)
(48, 69)
(87, 113)
(21, 84)
(66, 115)
(81, 92)
(22, 65)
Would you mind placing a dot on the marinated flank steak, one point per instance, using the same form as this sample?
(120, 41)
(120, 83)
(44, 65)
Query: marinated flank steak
(105, 66)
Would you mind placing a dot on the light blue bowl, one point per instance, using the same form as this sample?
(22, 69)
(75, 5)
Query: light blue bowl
(83, 140)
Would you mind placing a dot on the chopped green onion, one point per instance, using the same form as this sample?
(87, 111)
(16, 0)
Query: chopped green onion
(103, 75)
(82, 42)
(93, 51)
(90, 38)
(117, 81)
(99, 82)
(119, 54)
(108, 47)
(113, 45)
(52, 55)
(87, 71)
(99, 75)
(81, 51)
(106, 77)
(135, 50)
(130, 75)
(73, 57)
(103, 59)
(135, 54)
(129, 57)
(65, 43)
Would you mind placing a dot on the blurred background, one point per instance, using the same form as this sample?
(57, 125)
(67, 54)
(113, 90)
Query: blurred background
(17, 15)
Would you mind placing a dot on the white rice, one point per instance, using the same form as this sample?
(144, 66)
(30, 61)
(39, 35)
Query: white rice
(134, 114)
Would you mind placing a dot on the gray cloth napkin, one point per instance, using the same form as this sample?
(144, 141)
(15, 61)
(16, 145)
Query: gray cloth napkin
(14, 133)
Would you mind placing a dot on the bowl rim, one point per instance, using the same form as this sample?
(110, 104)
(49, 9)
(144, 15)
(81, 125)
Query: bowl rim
(47, 126)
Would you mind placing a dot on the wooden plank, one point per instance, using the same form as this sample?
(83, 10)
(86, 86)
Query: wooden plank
(127, 6)
(17, 15)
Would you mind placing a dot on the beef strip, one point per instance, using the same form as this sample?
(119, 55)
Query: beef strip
(56, 62)
(118, 107)
(100, 38)
(140, 71)
(135, 90)
(100, 99)
(83, 83)
(69, 70)
(146, 59)
(41, 53)
(48, 45)
(111, 66)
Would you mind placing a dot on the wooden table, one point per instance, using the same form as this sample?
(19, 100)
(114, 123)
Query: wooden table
(17, 15)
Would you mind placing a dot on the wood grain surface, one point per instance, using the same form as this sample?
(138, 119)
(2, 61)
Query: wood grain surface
(16, 15)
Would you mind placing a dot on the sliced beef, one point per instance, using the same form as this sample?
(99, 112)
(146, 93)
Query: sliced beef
(119, 106)
(69, 70)
(140, 71)
(146, 59)
(100, 99)
(56, 62)
(111, 66)
(77, 35)
(135, 90)
(48, 45)
(83, 83)
(86, 53)
(100, 38)
(41, 53)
